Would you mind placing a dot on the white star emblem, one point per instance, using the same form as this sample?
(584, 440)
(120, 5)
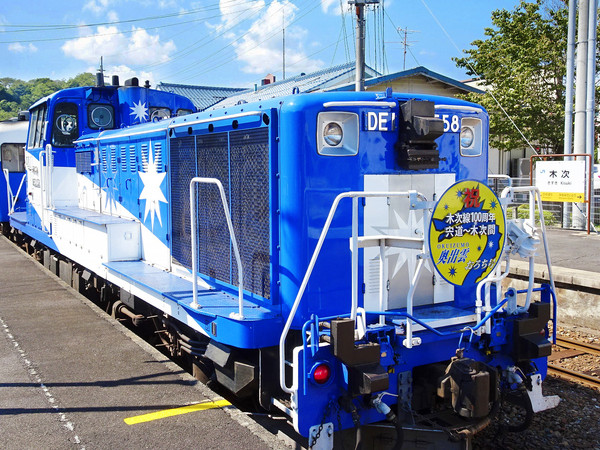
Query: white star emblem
(152, 192)
(139, 110)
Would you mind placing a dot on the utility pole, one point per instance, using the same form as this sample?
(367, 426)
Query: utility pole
(583, 136)
(591, 93)
(283, 44)
(360, 41)
(581, 80)
(570, 81)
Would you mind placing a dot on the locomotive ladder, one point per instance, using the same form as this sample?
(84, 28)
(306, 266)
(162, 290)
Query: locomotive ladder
(417, 201)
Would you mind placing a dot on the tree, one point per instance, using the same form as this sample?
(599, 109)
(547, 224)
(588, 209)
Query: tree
(83, 79)
(18, 95)
(522, 61)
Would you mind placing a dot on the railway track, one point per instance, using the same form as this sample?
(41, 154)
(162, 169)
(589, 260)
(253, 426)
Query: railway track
(576, 348)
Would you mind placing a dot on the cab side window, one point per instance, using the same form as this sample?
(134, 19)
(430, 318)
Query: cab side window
(37, 127)
(13, 157)
(65, 125)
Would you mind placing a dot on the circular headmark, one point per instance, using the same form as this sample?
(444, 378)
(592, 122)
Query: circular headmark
(466, 233)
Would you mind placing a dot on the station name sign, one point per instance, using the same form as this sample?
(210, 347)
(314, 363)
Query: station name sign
(561, 181)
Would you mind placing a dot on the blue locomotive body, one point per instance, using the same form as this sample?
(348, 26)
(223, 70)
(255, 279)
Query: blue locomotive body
(291, 247)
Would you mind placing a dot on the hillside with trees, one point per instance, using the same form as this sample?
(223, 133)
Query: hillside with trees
(18, 95)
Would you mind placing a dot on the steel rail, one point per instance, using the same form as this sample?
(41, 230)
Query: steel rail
(572, 375)
(578, 345)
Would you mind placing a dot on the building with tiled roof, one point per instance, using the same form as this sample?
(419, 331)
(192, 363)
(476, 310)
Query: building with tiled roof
(305, 82)
(337, 78)
(418, 80)
(202, 97)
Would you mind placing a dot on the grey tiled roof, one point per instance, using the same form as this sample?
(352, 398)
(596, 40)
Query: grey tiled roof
(310, 82)
(417, 71)
(202, 97)
(338, 78)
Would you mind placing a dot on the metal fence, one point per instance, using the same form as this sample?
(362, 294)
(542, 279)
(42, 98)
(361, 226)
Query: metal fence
(556, 214)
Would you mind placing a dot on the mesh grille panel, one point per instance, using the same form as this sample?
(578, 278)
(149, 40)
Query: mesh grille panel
(250, 206)
(240, 160)
(183, 151)
(83, 162)
(213, 236)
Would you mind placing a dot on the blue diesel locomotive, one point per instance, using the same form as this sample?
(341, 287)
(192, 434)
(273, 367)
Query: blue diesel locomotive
(338, 256)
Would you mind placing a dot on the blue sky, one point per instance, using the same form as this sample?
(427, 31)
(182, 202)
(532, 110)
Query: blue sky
(230, 42)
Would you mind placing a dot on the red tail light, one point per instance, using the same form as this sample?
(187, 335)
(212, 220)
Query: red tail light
(322, 373)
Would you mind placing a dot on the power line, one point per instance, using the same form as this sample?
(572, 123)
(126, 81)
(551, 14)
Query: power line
(46, 27)
(230, 45)
(489, 91)
(116, 32)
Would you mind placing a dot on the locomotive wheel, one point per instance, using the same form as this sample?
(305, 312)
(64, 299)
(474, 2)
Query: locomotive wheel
(516, 412)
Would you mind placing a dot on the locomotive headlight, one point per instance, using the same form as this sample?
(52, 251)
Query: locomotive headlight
(337, 133)
(466, 137)
(333, 134)
(471, 136)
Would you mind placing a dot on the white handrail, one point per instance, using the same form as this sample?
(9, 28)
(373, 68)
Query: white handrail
(202, 180)
(313, 260)
(535, 192)
(15, 197)
(493, 277)
(8, 189)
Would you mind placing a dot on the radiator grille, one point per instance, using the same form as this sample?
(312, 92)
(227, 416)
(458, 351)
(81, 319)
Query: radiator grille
(250, 206)
(183, 169)
(213, 238)
(240, 160)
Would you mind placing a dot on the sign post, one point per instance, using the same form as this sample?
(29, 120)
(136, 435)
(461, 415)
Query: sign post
(564, 181)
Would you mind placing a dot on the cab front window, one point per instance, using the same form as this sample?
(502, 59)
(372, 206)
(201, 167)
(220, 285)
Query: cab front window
(65, 125)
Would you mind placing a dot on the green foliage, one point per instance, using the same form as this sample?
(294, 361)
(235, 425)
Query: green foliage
(18, 95)
(522, 61)
(549, 219)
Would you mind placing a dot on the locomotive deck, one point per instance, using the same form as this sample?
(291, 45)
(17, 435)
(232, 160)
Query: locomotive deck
(63, 387)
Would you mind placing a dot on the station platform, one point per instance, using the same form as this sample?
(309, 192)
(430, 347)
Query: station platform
(575, 258)
(72, 377)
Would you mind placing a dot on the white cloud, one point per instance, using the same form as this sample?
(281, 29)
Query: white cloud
(112, 16)
(17, 47)
(261, 47)
(234, 12)
(136, 48)
(170, 4)
(326, 4)
(97, 6)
